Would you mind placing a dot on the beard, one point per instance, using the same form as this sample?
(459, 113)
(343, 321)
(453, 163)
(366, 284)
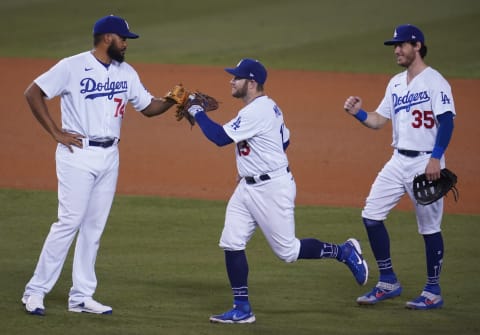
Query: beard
(242, 91)
(115, 53)
(406, 59)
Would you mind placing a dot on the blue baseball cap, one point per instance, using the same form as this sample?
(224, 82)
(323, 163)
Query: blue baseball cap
(406, 33)
(112, 24)
(249, 69)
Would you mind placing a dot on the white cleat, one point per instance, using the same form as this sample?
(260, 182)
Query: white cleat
(34, 304)
(90, 306)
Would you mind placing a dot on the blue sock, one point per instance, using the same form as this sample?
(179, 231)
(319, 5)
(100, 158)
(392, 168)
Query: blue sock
(434, 254)
(380, 244)
(311, 248)
(237, 270)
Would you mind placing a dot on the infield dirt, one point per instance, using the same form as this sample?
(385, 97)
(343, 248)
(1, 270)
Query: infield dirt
(334, 159)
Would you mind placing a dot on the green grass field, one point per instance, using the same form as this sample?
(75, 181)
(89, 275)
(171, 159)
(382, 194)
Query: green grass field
(345, 36)
(159, 265)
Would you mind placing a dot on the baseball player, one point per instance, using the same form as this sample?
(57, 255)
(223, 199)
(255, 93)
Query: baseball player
(94, 88)
(419, 103)
(265, 194)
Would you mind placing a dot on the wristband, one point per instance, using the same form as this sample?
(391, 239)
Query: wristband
(195, 109)
(361, 115)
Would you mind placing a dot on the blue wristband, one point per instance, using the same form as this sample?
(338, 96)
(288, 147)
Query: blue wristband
(361, 115)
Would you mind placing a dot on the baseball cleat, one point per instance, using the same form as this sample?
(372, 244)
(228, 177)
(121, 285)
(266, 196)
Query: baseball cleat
(352, 257)
(90, 306)
(381, 291)
(235, 315)
(426, 300)
(34, 304)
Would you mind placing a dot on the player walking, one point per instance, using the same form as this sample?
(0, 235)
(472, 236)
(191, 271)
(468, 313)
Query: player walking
(265, 194)
(94, 87)
(419, 103)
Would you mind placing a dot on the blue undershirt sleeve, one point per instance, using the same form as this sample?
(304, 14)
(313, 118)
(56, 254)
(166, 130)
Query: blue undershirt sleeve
(212, 130)
(445, 130)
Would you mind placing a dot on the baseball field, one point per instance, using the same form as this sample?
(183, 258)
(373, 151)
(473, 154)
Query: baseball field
(159, 265)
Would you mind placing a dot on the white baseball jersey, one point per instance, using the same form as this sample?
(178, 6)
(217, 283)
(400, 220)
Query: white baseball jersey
(259, 137)
(93, 98)
(259, 132)
(413, 108)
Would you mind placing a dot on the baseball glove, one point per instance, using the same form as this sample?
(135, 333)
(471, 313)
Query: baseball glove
(427, 192)
(178, 94)
(208, 103)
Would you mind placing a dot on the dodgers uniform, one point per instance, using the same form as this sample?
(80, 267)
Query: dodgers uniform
(265, 194)
(93, 99)
(259, 132)
(419, 103)
(413, 109)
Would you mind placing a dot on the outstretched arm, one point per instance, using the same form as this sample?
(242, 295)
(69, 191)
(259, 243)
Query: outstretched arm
(158, 106)
(212, 130)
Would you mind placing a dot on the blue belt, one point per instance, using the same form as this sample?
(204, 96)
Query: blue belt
(262, 177)
(105, 144)
(412, 153)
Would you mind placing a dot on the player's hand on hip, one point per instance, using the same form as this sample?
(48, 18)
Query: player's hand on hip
(352, 104)
(69, 140)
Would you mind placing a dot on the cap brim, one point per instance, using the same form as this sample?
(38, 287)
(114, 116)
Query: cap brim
(232, 71)
(131, 35)
(392, 42)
